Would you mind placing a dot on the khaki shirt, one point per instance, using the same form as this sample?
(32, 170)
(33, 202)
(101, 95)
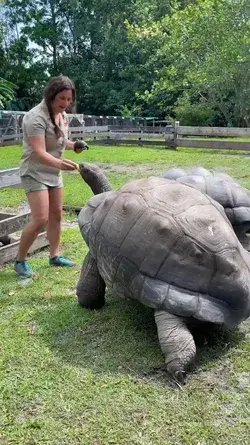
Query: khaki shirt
(37, 122)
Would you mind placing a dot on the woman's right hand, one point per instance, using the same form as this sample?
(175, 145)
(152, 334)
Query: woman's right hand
(67, 164)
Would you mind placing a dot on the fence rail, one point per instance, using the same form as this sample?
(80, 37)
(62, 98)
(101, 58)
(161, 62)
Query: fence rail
(168, 136)
(12, 137)
(214, 131)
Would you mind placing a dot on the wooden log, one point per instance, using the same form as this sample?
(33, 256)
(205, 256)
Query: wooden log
(222, 145)
(9, 252)
(214, 131)
(13, 223)
(10, 177)
(71, 208)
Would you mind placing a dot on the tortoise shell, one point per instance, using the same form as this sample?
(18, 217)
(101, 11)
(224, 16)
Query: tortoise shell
(222, 188)
(171, 247)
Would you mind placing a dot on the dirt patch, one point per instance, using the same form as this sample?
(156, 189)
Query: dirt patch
(243, 380)
(135, 170)
(147, 169)
(217, 377)
(70, 223)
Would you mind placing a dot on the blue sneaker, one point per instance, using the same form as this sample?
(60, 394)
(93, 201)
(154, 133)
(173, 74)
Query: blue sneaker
(23, 269)
(59, 260)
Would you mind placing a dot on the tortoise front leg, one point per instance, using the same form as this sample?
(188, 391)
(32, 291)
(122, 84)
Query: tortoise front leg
(91, 287)
(177, 343)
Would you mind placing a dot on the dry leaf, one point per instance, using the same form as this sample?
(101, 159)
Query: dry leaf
(32, 329)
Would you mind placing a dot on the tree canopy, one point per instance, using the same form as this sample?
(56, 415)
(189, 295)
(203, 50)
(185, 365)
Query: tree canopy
(172, 59)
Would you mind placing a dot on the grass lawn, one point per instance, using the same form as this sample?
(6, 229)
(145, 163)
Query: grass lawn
(71, 376)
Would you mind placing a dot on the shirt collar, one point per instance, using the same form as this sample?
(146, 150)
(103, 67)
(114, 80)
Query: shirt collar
(45, 108)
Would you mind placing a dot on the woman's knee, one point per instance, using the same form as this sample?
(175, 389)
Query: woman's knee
(39, 221)
(39, 205)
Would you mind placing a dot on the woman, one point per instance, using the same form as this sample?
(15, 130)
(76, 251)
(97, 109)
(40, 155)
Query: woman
(44, 141)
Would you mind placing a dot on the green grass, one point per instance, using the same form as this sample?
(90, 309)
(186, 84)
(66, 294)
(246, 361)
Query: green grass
(122, 163)
(71, 376)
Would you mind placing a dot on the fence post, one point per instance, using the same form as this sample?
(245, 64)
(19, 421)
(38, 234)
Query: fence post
(16, 127)
(176, 128)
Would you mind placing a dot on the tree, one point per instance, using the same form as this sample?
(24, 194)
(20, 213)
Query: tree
(6, 88)
(86, 40)
(6, 91)
(206, 61)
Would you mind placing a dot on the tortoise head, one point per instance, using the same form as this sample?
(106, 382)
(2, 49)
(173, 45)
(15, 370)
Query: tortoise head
(94, 177)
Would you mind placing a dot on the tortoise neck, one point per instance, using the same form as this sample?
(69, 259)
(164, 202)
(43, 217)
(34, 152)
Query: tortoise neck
(95, 178)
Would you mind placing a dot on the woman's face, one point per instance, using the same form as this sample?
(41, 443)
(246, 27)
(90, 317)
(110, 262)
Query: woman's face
(62, 101)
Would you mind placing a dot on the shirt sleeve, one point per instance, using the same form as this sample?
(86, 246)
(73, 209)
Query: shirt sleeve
(34, 125)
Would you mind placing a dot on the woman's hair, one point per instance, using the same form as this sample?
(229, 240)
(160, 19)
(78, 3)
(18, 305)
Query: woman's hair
(55, 86)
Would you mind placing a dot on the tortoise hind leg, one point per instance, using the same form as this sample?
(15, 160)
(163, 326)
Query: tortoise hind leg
(91, 287)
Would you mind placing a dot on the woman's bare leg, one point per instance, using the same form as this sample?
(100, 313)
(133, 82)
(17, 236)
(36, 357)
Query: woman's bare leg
(39, 206)
(54, 220)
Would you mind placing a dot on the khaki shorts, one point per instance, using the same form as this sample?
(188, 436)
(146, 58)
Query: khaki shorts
(32, 185)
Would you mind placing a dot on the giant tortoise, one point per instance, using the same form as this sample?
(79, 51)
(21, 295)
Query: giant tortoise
(222, 188)
(172, 248)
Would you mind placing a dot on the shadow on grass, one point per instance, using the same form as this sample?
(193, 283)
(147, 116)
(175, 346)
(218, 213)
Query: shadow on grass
(213, 342)
(122, 339)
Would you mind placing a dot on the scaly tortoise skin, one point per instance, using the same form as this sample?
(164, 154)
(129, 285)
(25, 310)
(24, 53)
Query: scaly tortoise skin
(169, 246)
(225, 190)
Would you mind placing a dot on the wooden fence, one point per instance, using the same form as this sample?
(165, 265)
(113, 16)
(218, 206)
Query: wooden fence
(169, 136)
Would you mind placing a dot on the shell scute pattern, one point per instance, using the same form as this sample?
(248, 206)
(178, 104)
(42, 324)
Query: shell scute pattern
(170, 246)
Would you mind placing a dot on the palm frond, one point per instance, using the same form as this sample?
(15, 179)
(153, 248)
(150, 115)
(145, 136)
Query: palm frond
(7, 92)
